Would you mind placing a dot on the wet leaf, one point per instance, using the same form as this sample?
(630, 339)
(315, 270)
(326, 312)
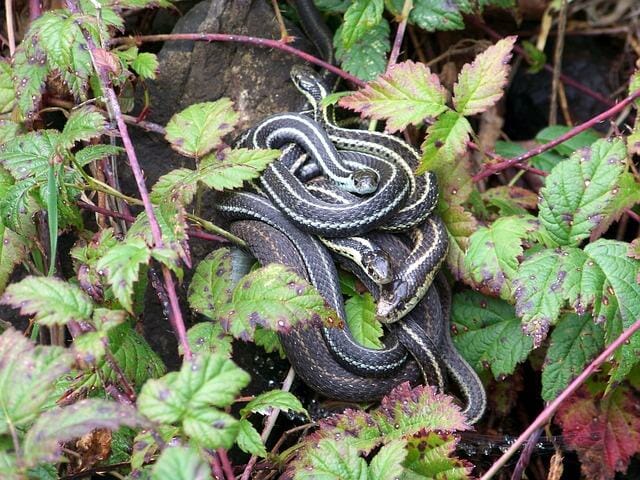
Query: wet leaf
(179, 184)
(92, 153)
(388, 461)
(209, 337)
(29, 155)
(329, 461)
(568, 147)
(14, 249)
(7, 93)
(431, 456)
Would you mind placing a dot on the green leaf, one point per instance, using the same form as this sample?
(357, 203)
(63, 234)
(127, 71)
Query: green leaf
(388, 461)
(545, 161)
(360, 17)
(235, 168)
(91, 153)
(52, 301)
(146, 65)
(446, 141)
(535, 57)
(209, 337)
(481, 83)
(249, 439)
(329, 461)
(575, 341)
(267, 401)
(367, 58)
(199, 128)
(269, 341)
(430, 456)
(362, 322)
(566, 148)
(181, 463)
(332, 6)
(83, 124)
(460, 226)
(579, 189)
(30, 73)
(7, 93)
(13, 250)
(29, 155)
(43, 440)
(27, 376)
(121, 267)
(9, 130)
(211, 284)
(406, 94)
(273, 297)
(488, 333)
(211, 428)
(492, 258)
(17, 207)
(432, 15)
(179, 185)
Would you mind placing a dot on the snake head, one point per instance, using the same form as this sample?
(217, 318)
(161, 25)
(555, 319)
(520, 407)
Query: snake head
(364, 181)
(392, 299)
(377, 265)
(309, 83)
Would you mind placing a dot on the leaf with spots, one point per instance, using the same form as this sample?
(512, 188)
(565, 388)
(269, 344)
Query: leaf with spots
(236, 167)
(580, 189)
(211, 285)
(446, 142)
(604, 431)
(367, 58)
(362, 322)
(181, 463)
(30, 73)
(273, 297)
(179, 185)
(83, 124)
(7, 92)
(27, 378)
(199, 128)
(52, 301)
(481, 83)
(17, 207)
(488, 333)
(575, 341)
(407, 94)
(431, 456)
(359, 18)
(209, 337)
(432, 15)
(29, 155)
(43, 442)
(492, 257)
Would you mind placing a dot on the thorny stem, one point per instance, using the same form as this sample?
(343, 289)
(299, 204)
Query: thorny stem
(402, 26)
(269, 424)
(550, 409)
(256, 41)
(492, 168)
(111, 99)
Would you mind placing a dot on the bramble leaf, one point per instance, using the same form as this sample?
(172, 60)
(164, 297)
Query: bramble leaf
(211, 428)
(43, 440)
(446, 139)
(579, 189)
(91, 153)
(14, 249)
(460, 226)
(52, 301)
(27, 376)
(146, 65)
(362, 322)
(17, 206)
(604, 431)
(481, 83)
(488, 333)
(199, 128)
(367, 58)
(83, 124)
(249, 439)
(29, 155)
(7, 93)
(237, 166)
(360, 17)
(30, 73)
(406, 94)
(568, 147)
(209, 337)
(273, 297)
(388, 461)
(430, 456)
(181, 463)
(267, 401)
(432, 15)
(574, 342)
(331, 461)
(211, 285)
(179, 184)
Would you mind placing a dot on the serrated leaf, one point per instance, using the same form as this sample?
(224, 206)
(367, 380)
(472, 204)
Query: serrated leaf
(27, 376)
(29, 155)
(446, 140)
(388, 461)
(481, 83)
(432, 15)
(236, 167)
(181, 463)
(209, 337)
(249, 439)
(91, 153)
(488, 333)
(17, 206)
(83, 124)
(492, 257)
(367, 58)
(510, 200)
(362, 322)
(211, 428)
(9, 130)
(273, 297)
(566, 148)
(146, 65)
(7, 93)
(14, 249)
(360, 17)
(43, 440)
(179, 185)
(211, 285)
(50, 300)
(461, 224)
(269, 341)
(267, 401)
(328, 461)
(605, 431)
(579, 189)
(90, 347)
(30, 73)
(407, 94)
(199, 128)
(430, 456)
(121, 267)
(574, 342)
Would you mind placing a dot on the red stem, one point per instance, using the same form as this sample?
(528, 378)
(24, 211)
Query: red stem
(226, 464)
(35, 9)
(495, 156)
(256, 41)
(548, 412)
(499, 166)
(402, 26)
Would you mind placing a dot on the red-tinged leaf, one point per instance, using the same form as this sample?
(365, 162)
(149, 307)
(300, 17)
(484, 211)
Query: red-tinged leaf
(634, 249)
(461, 224)
(408, 93)
(446, 141)
(480, 84)
(604, 431)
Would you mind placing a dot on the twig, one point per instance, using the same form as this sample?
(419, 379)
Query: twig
(550, 409)
(111, 99)
(284, 35)
(226, 464)
(269, 424)
(256, 41)
(557, 64)
(8, 11)
(497, 167)
(525, 456)
(217, 468)
(35, 9)
(402, 26)
(496, 157)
